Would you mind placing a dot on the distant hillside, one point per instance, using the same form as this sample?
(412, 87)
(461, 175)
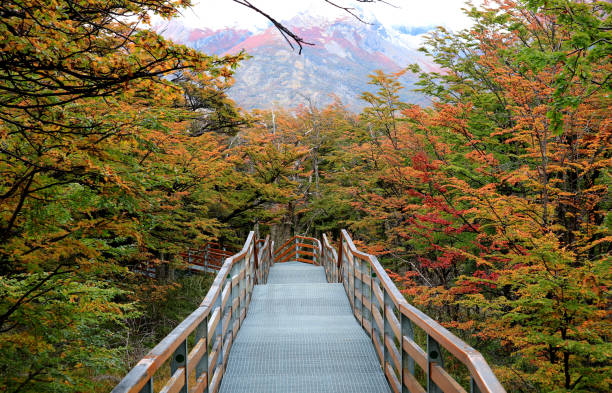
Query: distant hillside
(345, 53)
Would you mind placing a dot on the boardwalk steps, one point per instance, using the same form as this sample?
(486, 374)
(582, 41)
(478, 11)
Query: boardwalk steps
(306, 317)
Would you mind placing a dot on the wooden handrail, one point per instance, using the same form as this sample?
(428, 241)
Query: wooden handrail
(388, 318)
(215, 322)
(207, 258)
(294, 250)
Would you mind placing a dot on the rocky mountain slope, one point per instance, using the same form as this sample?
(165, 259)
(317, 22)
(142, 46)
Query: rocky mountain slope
(345, 53)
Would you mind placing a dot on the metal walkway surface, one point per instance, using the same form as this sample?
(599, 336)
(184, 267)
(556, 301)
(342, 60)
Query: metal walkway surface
(300, 335)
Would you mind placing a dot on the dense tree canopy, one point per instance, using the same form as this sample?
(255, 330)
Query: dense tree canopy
(491, 208)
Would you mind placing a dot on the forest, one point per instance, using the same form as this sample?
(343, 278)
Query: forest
(490, 208)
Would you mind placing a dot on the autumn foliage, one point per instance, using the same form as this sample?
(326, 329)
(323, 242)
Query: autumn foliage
(490, 208)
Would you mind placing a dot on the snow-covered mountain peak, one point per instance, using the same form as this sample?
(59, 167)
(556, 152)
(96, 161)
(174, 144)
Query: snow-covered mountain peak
(344, 53)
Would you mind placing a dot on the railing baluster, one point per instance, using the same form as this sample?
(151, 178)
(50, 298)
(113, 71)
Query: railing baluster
(219, 330)
(434, 356)
(407, 361)
(179, 359)
(351, 264)
(243, 285)
(371, 299)
(202, 365)
(387, 332)
(377, 334)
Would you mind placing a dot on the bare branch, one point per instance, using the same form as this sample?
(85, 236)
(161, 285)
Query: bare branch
(293, 38)
(350, 10)
(287, 34)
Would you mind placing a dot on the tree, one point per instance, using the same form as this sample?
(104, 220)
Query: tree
(93, 148)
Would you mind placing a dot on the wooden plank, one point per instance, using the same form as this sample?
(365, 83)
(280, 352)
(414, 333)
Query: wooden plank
(235, 305)
(284, 245)
(226, 321)
(227, 346)
(195, 355)
(236, 279)
(411, 383)
(214, 356)
(304, 237)
(395, 355)
(243, 295)
(358, 294)
(415, 352)
(215, 382)
(367, 326)
(281, 255)
(393, 322)
(200, 384)
(236, 327)
(444, 380)
(377, 347)
(366, 302)
(213, 321)
(304, 260)
(378, 319)
(176, 382)
(392, 378)
(304, 245)
(307, 253)
(225, 295)
(357, 315)
(289, 256)
(378, 295)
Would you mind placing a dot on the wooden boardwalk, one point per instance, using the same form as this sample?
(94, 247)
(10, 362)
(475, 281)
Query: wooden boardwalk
(307, 317)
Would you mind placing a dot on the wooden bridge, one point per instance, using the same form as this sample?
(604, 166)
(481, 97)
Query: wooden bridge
(305, 317)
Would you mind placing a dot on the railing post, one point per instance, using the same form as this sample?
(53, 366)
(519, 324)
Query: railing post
(434, 356)
(366, 293)
(340, 256)
(358, 263)
(407, 360)
(249, 272)
(206, 257)
(219, 332)
(350, 269)
(387, 332)
(202, 365)
(376, 329)
(179, 359)
(244, 286)
(371, 298)
(256, 261)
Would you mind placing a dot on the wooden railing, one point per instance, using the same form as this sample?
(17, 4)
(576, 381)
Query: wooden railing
(211, 327)
(300, 249)
(390, 320)
(329, 260)
(209, 259)
(377, 304)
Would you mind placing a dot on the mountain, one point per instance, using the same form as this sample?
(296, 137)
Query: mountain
(344, 53)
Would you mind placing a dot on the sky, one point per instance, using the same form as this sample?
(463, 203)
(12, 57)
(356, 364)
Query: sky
(217, 14)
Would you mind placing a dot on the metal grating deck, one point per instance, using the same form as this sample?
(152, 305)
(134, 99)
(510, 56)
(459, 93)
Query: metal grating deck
(300, 336)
